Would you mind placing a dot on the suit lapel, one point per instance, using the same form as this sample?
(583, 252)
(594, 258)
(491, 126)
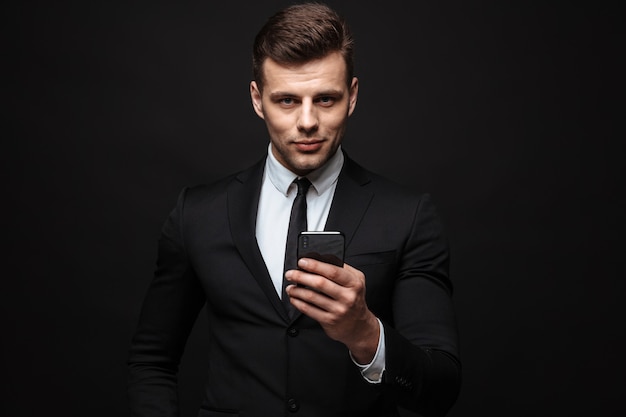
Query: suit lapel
(350, 201)
(243, 201)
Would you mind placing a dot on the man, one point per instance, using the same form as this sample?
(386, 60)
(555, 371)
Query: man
(345, 351)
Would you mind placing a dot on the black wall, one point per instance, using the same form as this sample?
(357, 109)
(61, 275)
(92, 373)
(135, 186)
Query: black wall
(504, 111)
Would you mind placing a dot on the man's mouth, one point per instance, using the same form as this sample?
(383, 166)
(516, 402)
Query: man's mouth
(309, 145)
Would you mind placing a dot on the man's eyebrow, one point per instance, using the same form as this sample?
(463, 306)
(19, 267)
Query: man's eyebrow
(282, 94)
(330, 93)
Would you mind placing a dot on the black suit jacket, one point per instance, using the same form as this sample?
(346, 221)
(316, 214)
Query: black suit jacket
(261, 363)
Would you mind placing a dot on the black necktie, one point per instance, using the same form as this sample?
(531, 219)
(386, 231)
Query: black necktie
(297, 224)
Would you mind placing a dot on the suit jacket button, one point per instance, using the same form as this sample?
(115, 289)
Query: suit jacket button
(292, 331)
(293, 405)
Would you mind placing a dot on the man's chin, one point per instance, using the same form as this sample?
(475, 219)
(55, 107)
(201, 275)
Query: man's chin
(304, 166)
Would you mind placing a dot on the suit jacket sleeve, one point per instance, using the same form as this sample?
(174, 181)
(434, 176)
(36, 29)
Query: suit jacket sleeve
(422, 367)
(169, 311)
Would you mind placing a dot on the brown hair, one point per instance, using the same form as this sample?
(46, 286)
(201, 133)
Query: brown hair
(300, 33)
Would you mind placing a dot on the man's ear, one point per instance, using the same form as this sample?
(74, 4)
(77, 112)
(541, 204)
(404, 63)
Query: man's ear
(257, 102)
(354, 92)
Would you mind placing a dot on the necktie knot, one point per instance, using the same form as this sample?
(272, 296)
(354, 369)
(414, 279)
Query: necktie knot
(303, 184)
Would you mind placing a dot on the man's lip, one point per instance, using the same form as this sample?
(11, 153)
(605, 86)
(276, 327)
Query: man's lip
(308, 145)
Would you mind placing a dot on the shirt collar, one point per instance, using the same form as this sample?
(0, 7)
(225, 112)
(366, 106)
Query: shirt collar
(322, 178)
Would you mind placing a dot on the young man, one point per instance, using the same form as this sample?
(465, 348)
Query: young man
(344, 351)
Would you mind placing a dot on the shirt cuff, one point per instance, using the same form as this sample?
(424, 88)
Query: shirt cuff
(373, 371)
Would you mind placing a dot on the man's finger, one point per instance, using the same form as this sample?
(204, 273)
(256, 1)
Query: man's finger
(331, 272)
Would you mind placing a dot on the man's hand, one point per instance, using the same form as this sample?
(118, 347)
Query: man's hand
(335, 298)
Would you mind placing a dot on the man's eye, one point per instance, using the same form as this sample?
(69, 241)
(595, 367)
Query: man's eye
(286, 101)
(326, 101)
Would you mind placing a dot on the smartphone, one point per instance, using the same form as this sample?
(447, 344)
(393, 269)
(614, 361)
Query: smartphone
(324, 246)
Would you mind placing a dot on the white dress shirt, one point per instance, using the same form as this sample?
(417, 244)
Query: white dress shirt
(272, 222)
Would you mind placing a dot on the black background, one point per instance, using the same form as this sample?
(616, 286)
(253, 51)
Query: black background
(504, 111)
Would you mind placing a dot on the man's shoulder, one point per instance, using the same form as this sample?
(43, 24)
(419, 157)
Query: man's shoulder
(379, 183)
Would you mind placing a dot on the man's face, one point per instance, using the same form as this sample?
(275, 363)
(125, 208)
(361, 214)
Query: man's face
(306, 108)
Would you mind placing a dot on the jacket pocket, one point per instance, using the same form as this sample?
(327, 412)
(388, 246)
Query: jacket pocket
(372, 258)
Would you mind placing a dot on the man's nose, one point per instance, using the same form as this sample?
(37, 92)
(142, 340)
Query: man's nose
(308, 119)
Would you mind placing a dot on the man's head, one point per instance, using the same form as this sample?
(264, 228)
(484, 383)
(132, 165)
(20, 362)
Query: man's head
(301, 33)
(304, 88)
